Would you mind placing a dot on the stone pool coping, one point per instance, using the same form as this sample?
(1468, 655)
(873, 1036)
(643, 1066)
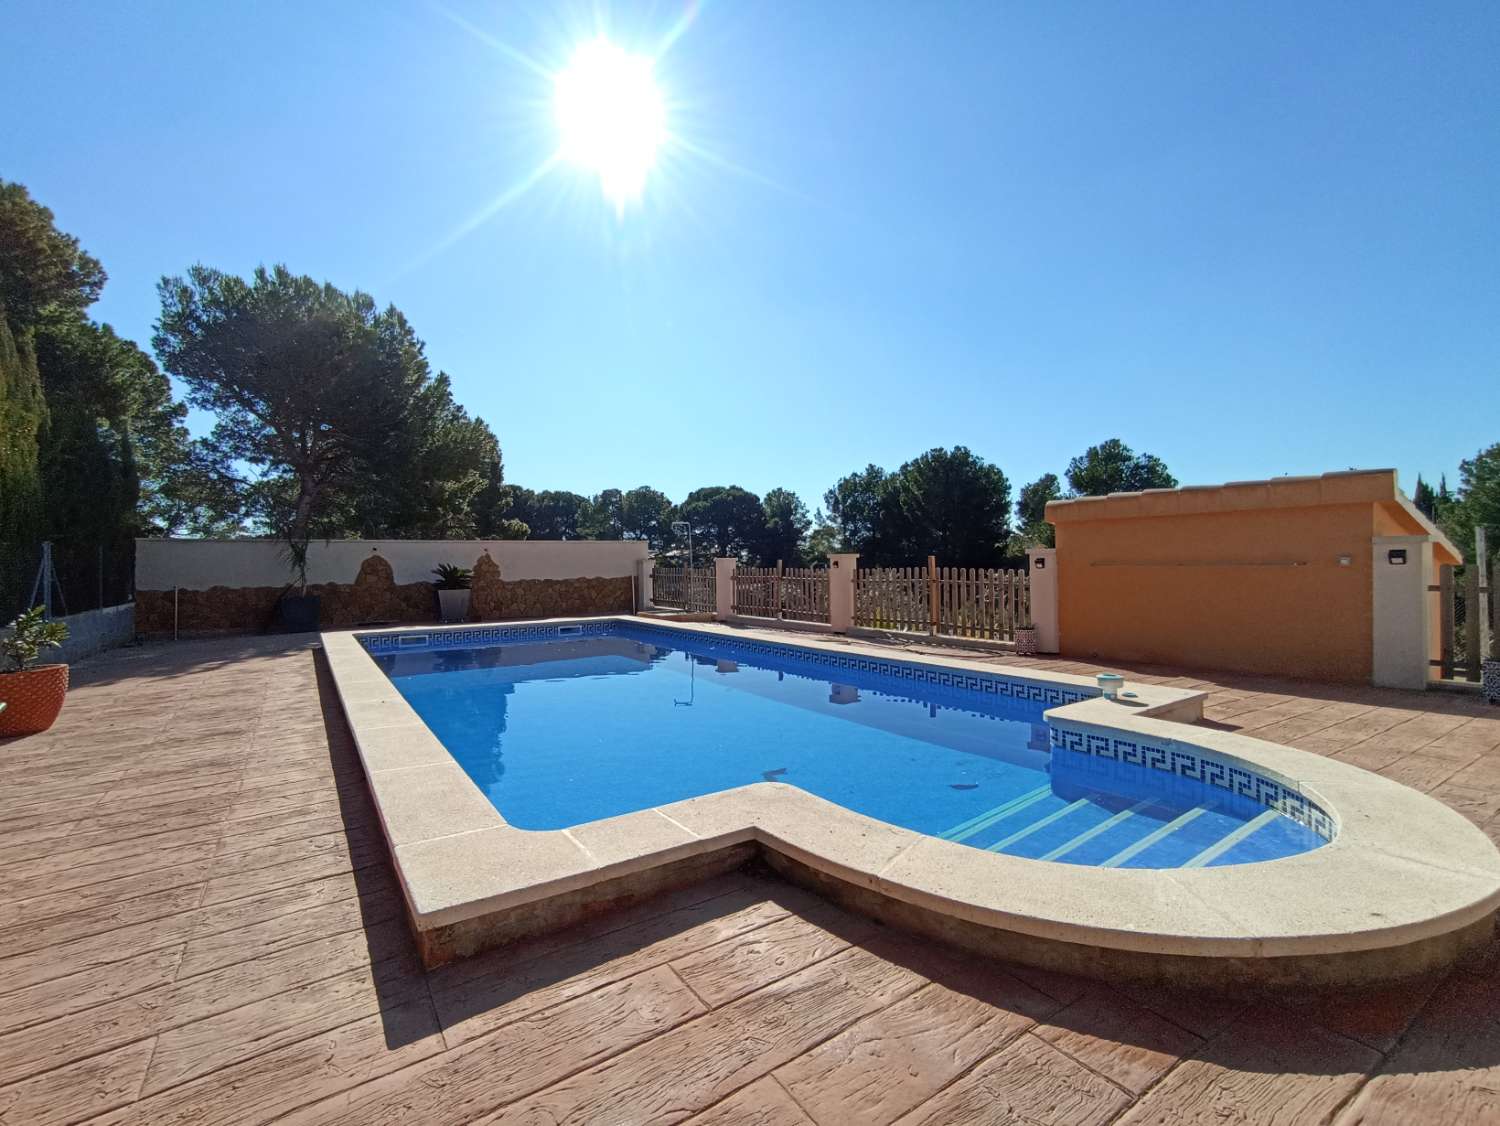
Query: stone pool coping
(1402, 869)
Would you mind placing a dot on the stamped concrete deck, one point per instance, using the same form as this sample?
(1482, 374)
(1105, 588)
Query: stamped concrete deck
(198, 924)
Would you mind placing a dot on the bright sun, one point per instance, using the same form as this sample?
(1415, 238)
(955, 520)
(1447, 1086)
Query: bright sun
(611, 116)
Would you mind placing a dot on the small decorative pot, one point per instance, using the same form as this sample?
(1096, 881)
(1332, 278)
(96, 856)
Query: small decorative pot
(1490, 678)
(453, 605)
(32, 699)
(1027, 641)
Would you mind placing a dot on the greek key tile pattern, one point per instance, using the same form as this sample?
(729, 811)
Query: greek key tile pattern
(1286, 800)
(480, 635)
(1048, 695)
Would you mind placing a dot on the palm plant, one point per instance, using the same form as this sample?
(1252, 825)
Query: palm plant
(294, 550)
(450, 576)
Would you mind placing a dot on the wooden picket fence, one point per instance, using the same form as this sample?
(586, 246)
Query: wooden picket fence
(798, 594)
(690, 589)
(965, 602)
(893, 598)
(1468, 614)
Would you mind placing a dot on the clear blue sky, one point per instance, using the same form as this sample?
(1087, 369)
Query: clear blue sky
(1253, 239)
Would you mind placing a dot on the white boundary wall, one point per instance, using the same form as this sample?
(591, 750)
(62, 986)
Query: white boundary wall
(201, 564)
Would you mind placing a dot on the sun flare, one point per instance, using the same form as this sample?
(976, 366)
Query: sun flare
(611, 117)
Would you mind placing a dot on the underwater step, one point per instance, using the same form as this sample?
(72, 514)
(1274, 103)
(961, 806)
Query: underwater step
(1098, 830)
(1151, 838)
(1229, 840)
(966, 829)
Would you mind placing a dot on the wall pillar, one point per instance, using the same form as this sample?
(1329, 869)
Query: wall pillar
(644, 588)
(1044, 612)
(1403, 570)
(841, 578)
(724, 587)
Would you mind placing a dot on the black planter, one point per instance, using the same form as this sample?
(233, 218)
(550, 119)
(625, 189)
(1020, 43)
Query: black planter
(300, 612)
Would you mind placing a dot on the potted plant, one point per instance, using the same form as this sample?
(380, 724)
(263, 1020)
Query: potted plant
(452, 591)
(299, 612)
(32, 694)
(1027, 639)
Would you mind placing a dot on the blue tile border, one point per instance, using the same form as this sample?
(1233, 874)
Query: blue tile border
(446, 638)
(937, 676)
(1137, 751)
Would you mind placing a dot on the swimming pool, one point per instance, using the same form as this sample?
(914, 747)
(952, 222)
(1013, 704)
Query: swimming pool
(1403, 884)
(558, 731)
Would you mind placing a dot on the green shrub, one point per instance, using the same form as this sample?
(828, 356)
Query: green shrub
(29, 635)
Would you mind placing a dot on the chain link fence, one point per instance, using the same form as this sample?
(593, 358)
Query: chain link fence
(84, 576)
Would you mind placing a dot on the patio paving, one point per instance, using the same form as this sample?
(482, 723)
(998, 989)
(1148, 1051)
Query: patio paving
(198, 924)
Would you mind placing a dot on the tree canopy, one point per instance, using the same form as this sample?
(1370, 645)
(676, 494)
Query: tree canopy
(114, 434)
(1476, 503)
(43, 271)
(41, 268)
(329, 420)
(552, 514)
(855, 508)
(1031, 509)
(647, 514)
(787, 524)
(950, 503)
(89, 433)
(727, 520)
(1113, 467)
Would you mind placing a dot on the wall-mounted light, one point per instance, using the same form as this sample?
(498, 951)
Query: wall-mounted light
(1345, 560)
(1396, 557)
(1040, 563)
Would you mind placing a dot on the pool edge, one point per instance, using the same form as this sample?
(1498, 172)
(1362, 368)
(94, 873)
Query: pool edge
(460, 864)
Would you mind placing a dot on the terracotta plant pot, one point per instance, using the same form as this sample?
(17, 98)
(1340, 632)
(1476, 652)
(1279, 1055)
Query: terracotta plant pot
(1026, 641)
(32, 699)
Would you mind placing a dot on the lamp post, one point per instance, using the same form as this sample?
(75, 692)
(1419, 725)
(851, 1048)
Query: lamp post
(680, 526)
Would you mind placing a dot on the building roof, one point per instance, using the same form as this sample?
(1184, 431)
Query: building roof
(1355, 486)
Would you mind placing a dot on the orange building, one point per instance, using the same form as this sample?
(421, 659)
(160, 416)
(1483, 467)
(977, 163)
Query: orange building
(1325, 577)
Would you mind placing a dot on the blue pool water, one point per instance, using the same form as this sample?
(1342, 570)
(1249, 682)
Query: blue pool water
(565, 731)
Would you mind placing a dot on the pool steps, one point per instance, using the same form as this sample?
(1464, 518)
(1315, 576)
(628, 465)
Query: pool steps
(1038, 825)
(1201, 855)
(1089, 834)
(966, 829)
(1229, 840)
(1151, 838)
